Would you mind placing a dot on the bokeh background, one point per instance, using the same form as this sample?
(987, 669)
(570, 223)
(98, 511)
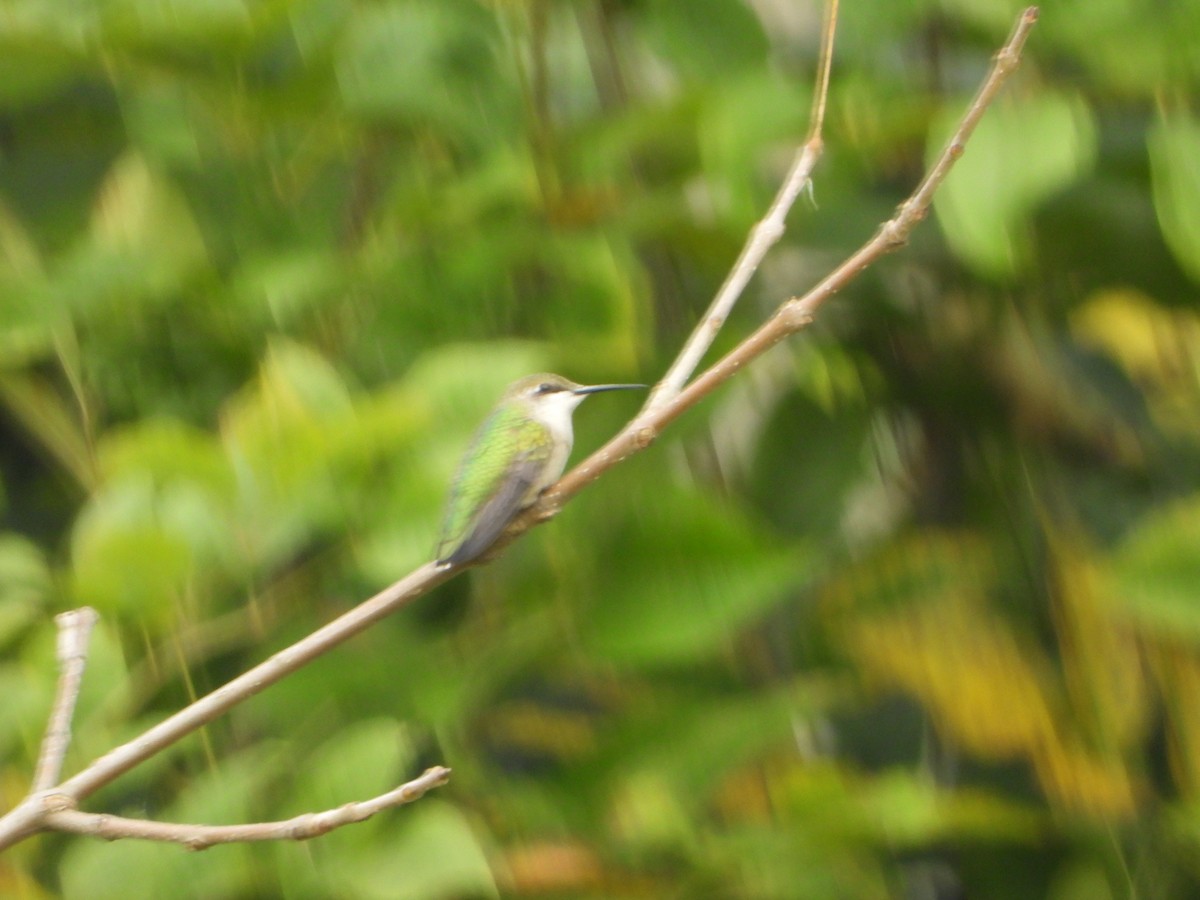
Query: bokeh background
(909, 609)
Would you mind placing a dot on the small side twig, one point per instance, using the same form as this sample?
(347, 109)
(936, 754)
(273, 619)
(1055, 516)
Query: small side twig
(74, 633)
(200, 837)
(35, 813)
(29, 816)
(763, 236)
(794, 314)
(894, 233)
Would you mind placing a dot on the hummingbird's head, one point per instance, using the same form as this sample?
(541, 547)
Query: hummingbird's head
(553, 398)
(540, 386)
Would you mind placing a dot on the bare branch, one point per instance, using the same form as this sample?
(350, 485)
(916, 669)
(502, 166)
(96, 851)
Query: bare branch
(200, 837)
(74, 633)
(828, 30)
(416, 584)
(795, 313)
(36, 812)
(763, 236)
(29, 815)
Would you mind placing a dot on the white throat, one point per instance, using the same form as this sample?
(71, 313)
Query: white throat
(554, 411)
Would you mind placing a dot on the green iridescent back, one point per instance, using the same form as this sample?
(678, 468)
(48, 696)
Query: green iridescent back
(503, 462)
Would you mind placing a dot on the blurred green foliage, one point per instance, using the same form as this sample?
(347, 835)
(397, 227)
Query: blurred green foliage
(909, 609)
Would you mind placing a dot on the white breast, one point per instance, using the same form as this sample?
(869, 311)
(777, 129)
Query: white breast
(554, 411)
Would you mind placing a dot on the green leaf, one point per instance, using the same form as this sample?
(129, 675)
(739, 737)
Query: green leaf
(96, 869)
(23, 714)
(1156, 47)
(291, 284)
(134, 550)
(1156, 572)
(139, 210)
(1174, 147)
(143, 245)
(24, 584)
(703, 736)
(1082, 881)
(280, 429)
(746, 118)
(914, 570)
(426, 850)
(808, 459)
(33, 66)
(182, 29)
(433, 852)
(446, 74)
(31, 400)
(1019, 155)
(691, 574)
(905, 808)
(295, 385)
(233, 793)
(723, 38)
(25, 327)
(161, 125)
(358, 762)
(755, 859)
(168, 451)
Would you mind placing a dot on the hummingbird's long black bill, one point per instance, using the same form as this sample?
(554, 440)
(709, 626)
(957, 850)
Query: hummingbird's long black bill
(597, 388)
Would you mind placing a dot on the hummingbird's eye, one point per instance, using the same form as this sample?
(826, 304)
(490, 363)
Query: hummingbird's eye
(547, 387)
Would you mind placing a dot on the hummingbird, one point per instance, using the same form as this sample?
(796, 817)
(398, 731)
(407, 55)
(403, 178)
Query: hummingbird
(520, 449)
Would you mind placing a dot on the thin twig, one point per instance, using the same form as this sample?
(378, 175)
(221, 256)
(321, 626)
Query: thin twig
(894, 233)
(28, 816)
(828, 28)
(74, 633)
(31, 815)
(763, 236)
(795, 313)
(200, 837)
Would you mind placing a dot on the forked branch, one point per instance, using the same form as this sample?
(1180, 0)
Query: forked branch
(200, 837)
(763, 236)
(798, 312)
(51, 807)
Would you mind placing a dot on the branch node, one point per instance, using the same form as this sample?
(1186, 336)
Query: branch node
(895, 234)
(54, 801)
(312, 825)
(102, 827)
(53, 808)
(645, 436)
(795, 316)
(768, 231)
